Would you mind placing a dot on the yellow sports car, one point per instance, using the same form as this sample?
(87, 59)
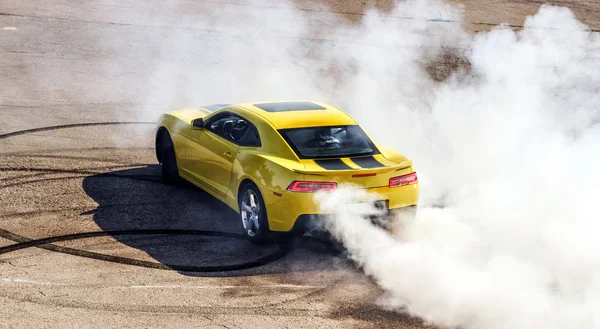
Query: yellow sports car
(266, 160)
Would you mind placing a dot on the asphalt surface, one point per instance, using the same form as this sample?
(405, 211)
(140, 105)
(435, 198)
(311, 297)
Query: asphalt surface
(90, 236)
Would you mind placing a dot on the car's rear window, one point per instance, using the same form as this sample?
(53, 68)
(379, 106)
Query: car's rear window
(329, 142)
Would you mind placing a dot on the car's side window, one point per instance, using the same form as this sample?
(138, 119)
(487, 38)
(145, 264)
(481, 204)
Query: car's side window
(221, 125)
(235, 129)
(251, 138)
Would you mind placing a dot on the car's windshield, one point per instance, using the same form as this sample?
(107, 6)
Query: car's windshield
(329, 142)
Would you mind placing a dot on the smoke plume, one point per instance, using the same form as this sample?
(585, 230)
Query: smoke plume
(506, 151)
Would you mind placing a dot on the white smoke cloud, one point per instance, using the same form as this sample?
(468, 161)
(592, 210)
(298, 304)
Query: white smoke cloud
(510, 150)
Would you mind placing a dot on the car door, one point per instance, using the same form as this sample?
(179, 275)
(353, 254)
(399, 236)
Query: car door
(211, 152)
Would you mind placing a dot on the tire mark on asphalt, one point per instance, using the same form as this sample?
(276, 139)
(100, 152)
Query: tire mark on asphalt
(71, 171)
(46, 243)
(40, 180)
(81, 174)
(75, 149)
(266, 7)
(66, 157)
(25, 281)
(133, 177)
(20, 177)
(75, 125)
(179, 309)
(85, 210)
(520, 26)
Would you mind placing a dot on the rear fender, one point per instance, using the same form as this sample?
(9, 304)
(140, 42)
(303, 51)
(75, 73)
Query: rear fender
(272, 177)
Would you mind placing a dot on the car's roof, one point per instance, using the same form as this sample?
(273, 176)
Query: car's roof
(298, 114)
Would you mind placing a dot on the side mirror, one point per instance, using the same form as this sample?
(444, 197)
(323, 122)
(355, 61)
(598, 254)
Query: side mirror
(198, 124)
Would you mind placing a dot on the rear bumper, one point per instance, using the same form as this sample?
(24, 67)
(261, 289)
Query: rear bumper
(306, 222)
(294, 211)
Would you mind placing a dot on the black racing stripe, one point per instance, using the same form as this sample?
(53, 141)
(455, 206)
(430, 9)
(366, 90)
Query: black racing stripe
(367, 162)
(333, 164)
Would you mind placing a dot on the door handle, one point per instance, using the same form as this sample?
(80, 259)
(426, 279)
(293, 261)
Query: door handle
(227, 155)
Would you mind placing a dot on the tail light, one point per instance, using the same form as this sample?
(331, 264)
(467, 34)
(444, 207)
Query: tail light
(404, 180)
(299, 186)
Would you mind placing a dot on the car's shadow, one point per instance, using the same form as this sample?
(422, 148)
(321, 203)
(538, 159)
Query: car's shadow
(137, 199)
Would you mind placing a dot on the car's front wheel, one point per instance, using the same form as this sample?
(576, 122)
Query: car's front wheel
(170, 171)
(253, 214)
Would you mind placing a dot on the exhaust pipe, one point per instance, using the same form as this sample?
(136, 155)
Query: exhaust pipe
(315, 232)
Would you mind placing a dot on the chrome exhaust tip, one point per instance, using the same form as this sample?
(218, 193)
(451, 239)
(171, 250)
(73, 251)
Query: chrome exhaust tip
(315, 232)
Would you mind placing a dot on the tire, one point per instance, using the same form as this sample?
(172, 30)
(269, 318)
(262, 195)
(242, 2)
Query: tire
(253, 214)
(170, 171)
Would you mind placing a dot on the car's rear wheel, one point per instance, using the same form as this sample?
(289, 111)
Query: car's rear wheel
(170, 171)
(253, 214)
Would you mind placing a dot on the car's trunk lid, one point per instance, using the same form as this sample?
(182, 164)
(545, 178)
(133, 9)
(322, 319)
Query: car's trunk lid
(364, 171)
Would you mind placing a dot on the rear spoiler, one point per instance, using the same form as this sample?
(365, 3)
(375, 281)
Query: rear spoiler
(400, 166)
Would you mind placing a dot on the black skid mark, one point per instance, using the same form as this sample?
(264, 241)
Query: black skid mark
(46, 243)
(75, 125)
(80, 173)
